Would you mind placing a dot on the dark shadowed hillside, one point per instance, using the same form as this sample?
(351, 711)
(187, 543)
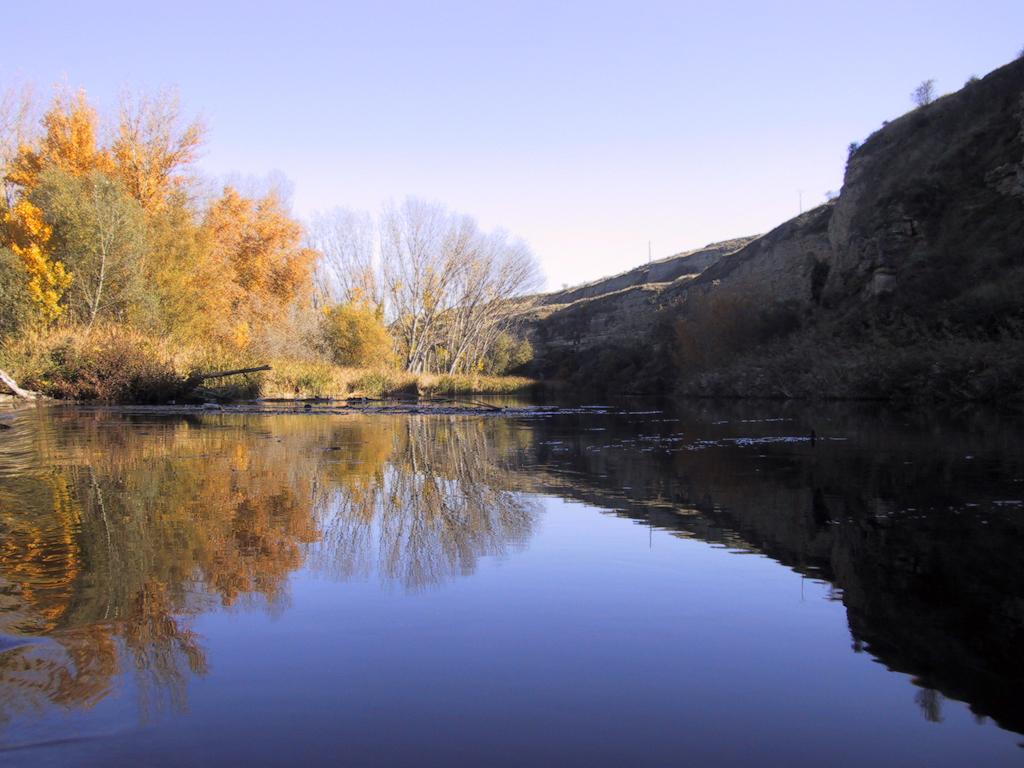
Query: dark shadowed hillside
(909, 285)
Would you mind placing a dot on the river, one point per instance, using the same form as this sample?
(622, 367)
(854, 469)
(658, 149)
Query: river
(624, 584)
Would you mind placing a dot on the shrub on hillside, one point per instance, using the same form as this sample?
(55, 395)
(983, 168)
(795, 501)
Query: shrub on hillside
(507, 354)
(721, 326)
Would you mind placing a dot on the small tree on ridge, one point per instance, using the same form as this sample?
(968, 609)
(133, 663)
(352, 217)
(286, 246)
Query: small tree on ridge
(924, 94)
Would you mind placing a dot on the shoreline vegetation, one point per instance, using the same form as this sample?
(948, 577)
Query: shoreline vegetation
(115, 365)
(124, 273)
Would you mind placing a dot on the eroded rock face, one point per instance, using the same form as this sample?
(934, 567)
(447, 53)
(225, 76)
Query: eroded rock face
(617, 313)
(777, 267)
(930, 220)
(937, 190)
(687, 263)
(940, 188)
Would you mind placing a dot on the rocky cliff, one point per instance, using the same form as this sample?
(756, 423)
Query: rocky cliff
(685, 264)
(911, 282)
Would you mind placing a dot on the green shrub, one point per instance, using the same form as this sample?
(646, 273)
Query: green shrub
(507, 354)
(16, 308)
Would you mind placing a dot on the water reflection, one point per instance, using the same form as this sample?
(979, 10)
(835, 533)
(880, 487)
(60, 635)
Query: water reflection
(116, 531)
(916, 521)
(440, 499)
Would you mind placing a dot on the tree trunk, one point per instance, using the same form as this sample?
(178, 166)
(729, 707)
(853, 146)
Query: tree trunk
(12, 385)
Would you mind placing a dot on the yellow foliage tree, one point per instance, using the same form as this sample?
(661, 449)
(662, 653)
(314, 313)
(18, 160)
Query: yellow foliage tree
(152, 150)
(68, 143)
(263, 265)
(29, 235)
(354, 334)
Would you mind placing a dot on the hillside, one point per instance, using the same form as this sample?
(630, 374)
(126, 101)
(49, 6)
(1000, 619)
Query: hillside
(908, 285)
(687, 263)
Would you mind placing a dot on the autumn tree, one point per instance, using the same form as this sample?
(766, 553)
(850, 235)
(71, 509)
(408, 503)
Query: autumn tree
(69, 133)
(257, 246)
(154, 147)
(45, 278)
(69, 143)
(179, 273)
(113, 231)
(17, 129)
(98, 231)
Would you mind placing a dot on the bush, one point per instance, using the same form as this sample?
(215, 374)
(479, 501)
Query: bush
(924, 94)
(722, 327)
(354, 334)
(507, 354)
(16, 307)
(107, 363)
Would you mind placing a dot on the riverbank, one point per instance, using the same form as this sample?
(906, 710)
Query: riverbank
(115, 365)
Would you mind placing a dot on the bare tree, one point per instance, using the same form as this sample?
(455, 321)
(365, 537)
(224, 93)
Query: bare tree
(484, 304)
(924, 94)
(422, 250)
(447, 289)
(347, 271)
(18, 127)
(450, 289)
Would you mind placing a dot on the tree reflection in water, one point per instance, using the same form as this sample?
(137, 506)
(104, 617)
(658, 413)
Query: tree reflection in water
(442, 501)
(116, 532)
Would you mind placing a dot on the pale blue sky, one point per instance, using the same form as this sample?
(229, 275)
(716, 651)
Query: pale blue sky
(586, 128)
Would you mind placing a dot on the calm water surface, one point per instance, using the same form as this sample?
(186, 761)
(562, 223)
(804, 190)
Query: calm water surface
(620, 587)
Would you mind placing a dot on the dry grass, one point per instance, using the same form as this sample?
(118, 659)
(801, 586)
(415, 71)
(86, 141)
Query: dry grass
(116, 364)
(107, 363)
(317, 379)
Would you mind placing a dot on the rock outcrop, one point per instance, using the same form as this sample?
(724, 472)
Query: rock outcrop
(687, 263)
(915, 272)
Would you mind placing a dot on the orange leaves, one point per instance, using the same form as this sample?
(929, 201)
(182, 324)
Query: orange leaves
(149, 154)
(69, 142)
(29, 236)
(258, 248)
(152, 150)
(232, 274)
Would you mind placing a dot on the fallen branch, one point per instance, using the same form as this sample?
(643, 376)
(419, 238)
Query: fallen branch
(196, 379)
(12, 385)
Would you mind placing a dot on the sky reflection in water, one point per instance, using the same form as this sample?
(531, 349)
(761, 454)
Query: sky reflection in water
(459, 590)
